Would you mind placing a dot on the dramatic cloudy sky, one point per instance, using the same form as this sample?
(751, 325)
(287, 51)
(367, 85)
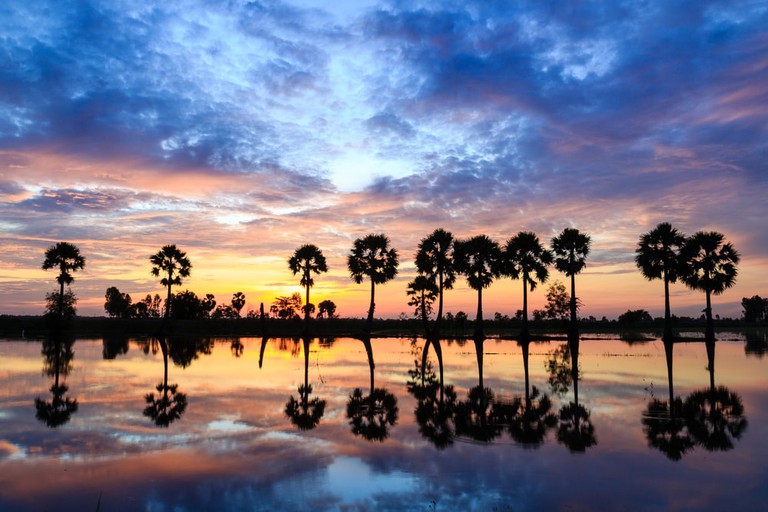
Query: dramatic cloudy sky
(241, 130)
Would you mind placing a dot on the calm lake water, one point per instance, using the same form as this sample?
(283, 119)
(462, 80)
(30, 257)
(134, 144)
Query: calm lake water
(243, 436)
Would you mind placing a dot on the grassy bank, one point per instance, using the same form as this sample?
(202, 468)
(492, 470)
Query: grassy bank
(37, 327)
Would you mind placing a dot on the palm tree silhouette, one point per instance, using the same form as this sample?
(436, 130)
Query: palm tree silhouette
(423, 293)
(171, 262)
(372, 257)
(67, 258)
(709, 265)
(169, 403)
(435, 260)
(571, 248)
(658, 257)
(524, 256)
(478, 258)
(307, 260)
(238, 301)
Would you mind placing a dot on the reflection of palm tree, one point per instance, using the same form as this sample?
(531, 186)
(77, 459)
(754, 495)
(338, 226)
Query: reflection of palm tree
(532, 417)
(169, 403)
(307, 260)
(435, 415)
(708, 265)
(571, 248)
(665, 428)
(66, 257)
(434, 259)
(715, 416)
(481, 417)
(261, 350)
(664, 425)
(305, 413)
(184, 351)
(371, 415)
(657, 257)
(172, 263)
(58, 361)
(478, 259)
(525, 257)
(575, 429)
(372, 257)
(237, 347)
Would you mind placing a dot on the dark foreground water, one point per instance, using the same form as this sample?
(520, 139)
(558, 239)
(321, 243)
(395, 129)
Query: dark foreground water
(220, 432)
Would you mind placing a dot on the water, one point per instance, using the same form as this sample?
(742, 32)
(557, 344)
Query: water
(230, 445)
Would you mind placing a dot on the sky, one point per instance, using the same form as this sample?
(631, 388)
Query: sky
(241, 130)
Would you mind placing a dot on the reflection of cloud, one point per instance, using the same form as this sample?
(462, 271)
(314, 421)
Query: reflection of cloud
(353, 481)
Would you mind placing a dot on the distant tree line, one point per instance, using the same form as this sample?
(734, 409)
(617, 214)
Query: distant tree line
(702, 262)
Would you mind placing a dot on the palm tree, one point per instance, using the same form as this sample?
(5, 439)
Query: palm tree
(307, 260)
(479, 260)
(709, 265)
(238, 302)
(435, 260)
(423, 293)
(66, 257)
(173, 262)
(524, 256)
(571, 248)
(371, 256)
(657, 256)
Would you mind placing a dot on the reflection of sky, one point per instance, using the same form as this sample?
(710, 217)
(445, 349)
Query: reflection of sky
(241, 130)
(235, 448)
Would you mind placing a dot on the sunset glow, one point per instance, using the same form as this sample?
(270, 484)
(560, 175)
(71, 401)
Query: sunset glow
(241, 130)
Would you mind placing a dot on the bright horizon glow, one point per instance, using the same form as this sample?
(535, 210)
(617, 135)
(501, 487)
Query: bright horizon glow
(240, 132)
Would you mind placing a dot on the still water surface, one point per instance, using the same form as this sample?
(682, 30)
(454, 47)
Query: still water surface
(235, 434)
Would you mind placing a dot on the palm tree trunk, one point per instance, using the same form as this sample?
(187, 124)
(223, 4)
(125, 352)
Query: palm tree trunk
(439, 318)
(424, 318)
(574, 326)
(479, 318)
(306, 305)
(667, 313)
(61, 300)
(369, 322)
(709, 333)
(524, 329)
(168, 299)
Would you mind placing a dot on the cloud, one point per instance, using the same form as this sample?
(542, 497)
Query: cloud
(253, 128)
